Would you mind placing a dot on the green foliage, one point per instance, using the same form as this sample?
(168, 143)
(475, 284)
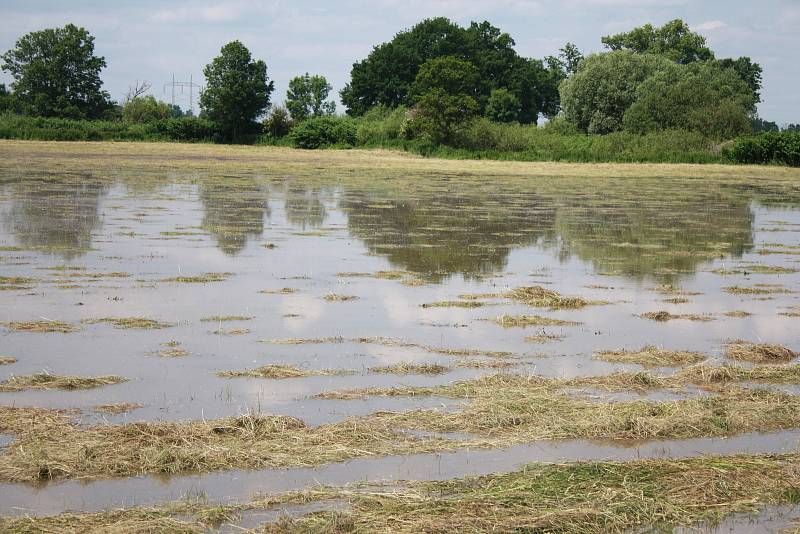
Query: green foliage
(381, 126)
(760, 125)
(781, 148)
(146, 109)
(56, 74)
(278, 124)
(444, 92)
(7, 101)
(674, 40)
(185, 129)
(307, 97)
(319, 132)
(503, 106)
(237, 91)
(702, 97)
(386, 76)
(748, 71)
(596, 97)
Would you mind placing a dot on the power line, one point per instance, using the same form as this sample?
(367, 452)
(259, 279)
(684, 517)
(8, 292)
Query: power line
(188, 85)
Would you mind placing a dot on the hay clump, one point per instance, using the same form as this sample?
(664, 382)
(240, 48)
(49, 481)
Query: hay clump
(664, 316)
(130, 323)
(199, 279)
(116, 408)
(411, 369)
(651, 356)
(335, 297)
(523, 321)
(278, 371)
(540, 297)
(758, 352)
(64, 382)
(41, 327)
(7, 360)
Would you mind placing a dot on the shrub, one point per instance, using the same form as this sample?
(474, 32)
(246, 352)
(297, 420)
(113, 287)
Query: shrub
(145, 109)
(503, 106)
(185, 129)
(278, 124)
(771, 147)
(321, 132)
(382, 126)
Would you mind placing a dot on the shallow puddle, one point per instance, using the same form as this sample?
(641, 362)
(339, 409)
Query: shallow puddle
(325, 270)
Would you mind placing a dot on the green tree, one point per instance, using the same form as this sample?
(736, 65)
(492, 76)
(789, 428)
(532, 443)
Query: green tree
(503, 106)
(278, 123)
(146, 109)
(7, 102)
(237, 91)
(307, 97)
(596, 97)
(56, 74)
(746, 70)
(673, 40)
(444, 92)
(701, 97)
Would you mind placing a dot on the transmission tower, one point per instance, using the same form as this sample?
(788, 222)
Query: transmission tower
(190, 85)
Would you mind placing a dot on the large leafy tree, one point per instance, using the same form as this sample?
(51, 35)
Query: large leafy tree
(385, 77)
(307, 97)
(748, 71)
(146, 109)
(237, 91)
(702, 97)
(596, 97)
(57, 74)
(675, 40)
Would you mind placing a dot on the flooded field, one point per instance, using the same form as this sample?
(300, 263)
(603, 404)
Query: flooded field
(198, 337)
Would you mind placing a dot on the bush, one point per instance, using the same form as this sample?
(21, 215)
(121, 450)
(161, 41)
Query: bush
(185, 129)
(145, 109)
(772, 147)
(321, 132)
(382, 126)
(278, 124)
(503, 106)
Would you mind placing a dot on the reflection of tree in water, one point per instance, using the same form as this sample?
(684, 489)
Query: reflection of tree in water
(437, 235)
(234, 210)
(304, 207)
(55, 215)
(659, 235)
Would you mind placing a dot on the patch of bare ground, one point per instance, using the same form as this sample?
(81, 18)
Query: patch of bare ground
(758, 352)
(651, 356)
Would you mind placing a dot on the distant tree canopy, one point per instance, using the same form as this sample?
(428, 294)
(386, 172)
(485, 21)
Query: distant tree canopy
(147, 109)
(674, 40)
(307, 97)
(56, 74)
(237, 91)
(7, 102)
(385, 77)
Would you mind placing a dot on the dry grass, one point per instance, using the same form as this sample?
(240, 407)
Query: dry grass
(116, 408)
(41, 327)
(173, 352)
(282, 291)
(7, 360)
(411, 369)
(523, 321)
(664, 316)
(231, 332)
(335, 297)
(48, 381)
(130, 323)
(277, 371)
(704, 374)
(740, 290)
(223, 318)
(737, 314)
(650, 356)
(544, 337)
(758, 352)
(199, 279)
(454, 304)
(539, 297)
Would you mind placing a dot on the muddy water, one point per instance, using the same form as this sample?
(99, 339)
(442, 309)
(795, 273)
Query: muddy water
(95, 245)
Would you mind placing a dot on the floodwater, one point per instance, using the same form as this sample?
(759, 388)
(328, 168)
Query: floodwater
(97, 244)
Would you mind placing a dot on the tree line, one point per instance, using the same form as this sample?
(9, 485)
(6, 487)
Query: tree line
(437, 78)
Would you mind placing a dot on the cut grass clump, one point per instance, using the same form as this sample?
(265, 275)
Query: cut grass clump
(411, 369)
(758, 352)
(276, 371)
(740, 290)
(130, 323)
(523, 321)
(703, 374)
(664, 316)
(737, 314)
(7, 360)
(200, 279)
(539, 297)
(282, 291)
(544, 337)
(335, 297)
(41, 327)
(454, 304)
(231, 332)
(116, 408)
(223, 318)
(48, 381)
(650, 356)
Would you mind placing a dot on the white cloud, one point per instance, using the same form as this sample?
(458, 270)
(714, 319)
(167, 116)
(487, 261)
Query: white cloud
(220, 13)
(709, 25)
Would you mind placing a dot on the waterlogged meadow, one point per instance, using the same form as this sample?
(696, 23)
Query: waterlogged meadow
(202, 337)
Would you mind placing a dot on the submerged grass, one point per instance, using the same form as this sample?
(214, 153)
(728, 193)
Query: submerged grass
(454, 304)
(48, 381)
(740, 290)
(130, 322)
(277, 371)
(223, 318)
(651, 356)
(116, 408)
(411, 369)
(539, 297)
(41, 327)
(758, 352)
(199, 279)
(664, 316)
(522, 321)
(7, 360)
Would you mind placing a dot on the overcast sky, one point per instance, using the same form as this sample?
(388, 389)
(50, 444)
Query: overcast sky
(151, 40)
